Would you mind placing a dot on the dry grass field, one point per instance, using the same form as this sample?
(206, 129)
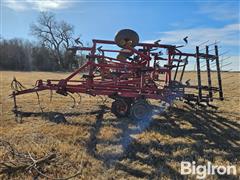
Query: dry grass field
(95, 143)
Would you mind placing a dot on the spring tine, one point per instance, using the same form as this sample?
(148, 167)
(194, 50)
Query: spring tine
(213, 65)
(16, 85)
(39, 102)
(203, 43)
(219, 47)
(225, 52)
(215, 43)
(210, 50)
(80, 98)
(21, 86)
(51, 95)
(74, 100)
(12, 86)
(226, 64)
(213, 62)
(226, 58)
(12, 83)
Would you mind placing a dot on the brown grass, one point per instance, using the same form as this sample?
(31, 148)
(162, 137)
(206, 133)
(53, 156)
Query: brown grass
(109, 147)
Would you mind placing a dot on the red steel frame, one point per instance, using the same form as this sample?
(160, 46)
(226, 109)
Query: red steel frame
(135, 78)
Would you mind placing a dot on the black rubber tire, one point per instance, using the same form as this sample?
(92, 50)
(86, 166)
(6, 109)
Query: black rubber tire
(120, 107)
(141, 110)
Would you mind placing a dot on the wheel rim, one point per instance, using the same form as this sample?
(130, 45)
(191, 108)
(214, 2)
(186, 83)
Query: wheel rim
(140, 111)
(121, 107)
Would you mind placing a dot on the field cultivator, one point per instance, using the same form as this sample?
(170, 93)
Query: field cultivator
(130, 72)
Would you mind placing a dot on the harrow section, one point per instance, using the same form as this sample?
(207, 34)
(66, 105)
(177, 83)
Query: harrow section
(199, 97)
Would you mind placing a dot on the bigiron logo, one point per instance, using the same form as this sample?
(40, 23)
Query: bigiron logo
(201, 171)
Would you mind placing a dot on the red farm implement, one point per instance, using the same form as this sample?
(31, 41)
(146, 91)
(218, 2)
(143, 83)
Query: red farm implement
(132, 72)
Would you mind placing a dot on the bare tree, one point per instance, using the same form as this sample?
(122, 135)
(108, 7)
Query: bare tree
(55, 35)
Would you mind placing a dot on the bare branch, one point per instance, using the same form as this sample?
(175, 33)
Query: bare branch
(53, 34)
(27, 163)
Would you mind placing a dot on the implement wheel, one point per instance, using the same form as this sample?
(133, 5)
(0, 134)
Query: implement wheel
(141, 110)
(120, 107)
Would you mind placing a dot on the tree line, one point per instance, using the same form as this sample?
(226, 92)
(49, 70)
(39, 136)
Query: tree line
(48, 53)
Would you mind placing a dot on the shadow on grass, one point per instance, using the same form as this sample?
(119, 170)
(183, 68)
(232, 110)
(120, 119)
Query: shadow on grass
(57, 117)
(213, 136)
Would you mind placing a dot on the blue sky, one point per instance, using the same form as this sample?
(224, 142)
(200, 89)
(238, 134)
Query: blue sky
(169, 21)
